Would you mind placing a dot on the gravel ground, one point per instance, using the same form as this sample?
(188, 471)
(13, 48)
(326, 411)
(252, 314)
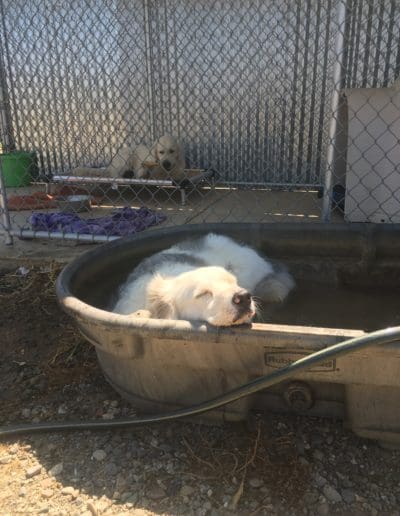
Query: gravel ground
(271, 465)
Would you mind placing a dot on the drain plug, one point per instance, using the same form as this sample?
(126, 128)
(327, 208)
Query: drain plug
(298, 396)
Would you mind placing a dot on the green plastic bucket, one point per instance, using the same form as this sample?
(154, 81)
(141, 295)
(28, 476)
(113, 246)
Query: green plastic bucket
(19, 168)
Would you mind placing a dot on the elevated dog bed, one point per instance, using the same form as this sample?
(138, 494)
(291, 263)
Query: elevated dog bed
(194, 177)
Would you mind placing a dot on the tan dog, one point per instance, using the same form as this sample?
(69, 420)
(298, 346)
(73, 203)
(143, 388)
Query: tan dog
(164, 160)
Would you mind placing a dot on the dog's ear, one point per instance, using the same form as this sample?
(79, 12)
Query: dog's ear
(201, 292)
(154, 150)
(160, 306)
(161, 309)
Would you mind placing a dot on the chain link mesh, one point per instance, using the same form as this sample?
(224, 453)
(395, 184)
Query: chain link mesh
(245, 86)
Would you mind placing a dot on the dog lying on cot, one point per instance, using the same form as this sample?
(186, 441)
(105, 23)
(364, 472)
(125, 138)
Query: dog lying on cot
(164, 160)
(212, 279)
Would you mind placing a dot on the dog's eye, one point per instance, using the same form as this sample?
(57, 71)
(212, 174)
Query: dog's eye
(201, 293)
(162, 152)
(171, 151)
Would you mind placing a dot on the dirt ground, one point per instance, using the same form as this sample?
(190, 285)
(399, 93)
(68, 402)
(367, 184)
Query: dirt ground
(274, 464)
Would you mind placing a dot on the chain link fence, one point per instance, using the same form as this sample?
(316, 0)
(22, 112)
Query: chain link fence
(283, 110)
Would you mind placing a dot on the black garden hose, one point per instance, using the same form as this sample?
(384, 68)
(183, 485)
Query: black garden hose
(375, 338)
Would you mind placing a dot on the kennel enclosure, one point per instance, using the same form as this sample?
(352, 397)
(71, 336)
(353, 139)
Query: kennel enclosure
(258, 92)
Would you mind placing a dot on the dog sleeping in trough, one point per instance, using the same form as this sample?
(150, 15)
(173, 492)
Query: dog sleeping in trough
(212, 279)
(165, 364)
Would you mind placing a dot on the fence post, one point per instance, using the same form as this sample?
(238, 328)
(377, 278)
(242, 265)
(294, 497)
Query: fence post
(149, 65)
(6, 139)
(332, 131)
(5, 215)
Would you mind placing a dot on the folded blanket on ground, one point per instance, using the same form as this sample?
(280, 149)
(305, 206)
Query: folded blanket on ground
(125, 221)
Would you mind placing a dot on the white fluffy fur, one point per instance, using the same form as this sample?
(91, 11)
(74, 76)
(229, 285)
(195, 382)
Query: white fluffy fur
(163, 160)
(179, 290)
(242, 261)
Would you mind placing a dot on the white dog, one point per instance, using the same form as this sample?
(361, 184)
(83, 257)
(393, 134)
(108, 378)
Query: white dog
(209, 279)
(164, 160)
(264, 279)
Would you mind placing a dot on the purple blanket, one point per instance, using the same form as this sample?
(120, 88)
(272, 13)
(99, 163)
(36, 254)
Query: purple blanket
(125, 221)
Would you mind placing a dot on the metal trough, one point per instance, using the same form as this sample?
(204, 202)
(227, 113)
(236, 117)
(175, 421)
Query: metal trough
(348, 282)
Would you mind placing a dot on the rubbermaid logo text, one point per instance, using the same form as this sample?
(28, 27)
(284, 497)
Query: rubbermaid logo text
(279, 359)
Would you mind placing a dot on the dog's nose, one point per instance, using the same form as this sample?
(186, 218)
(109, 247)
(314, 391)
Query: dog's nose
(166, 164)
(242, 299)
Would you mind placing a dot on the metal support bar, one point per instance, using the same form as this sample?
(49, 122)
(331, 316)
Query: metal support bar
(183, 196)
(337, 85)
(29, 233)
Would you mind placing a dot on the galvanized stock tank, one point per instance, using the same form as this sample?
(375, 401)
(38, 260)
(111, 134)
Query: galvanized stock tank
(348, 279)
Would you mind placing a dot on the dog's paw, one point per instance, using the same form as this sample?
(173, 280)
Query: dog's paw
(275, 287)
